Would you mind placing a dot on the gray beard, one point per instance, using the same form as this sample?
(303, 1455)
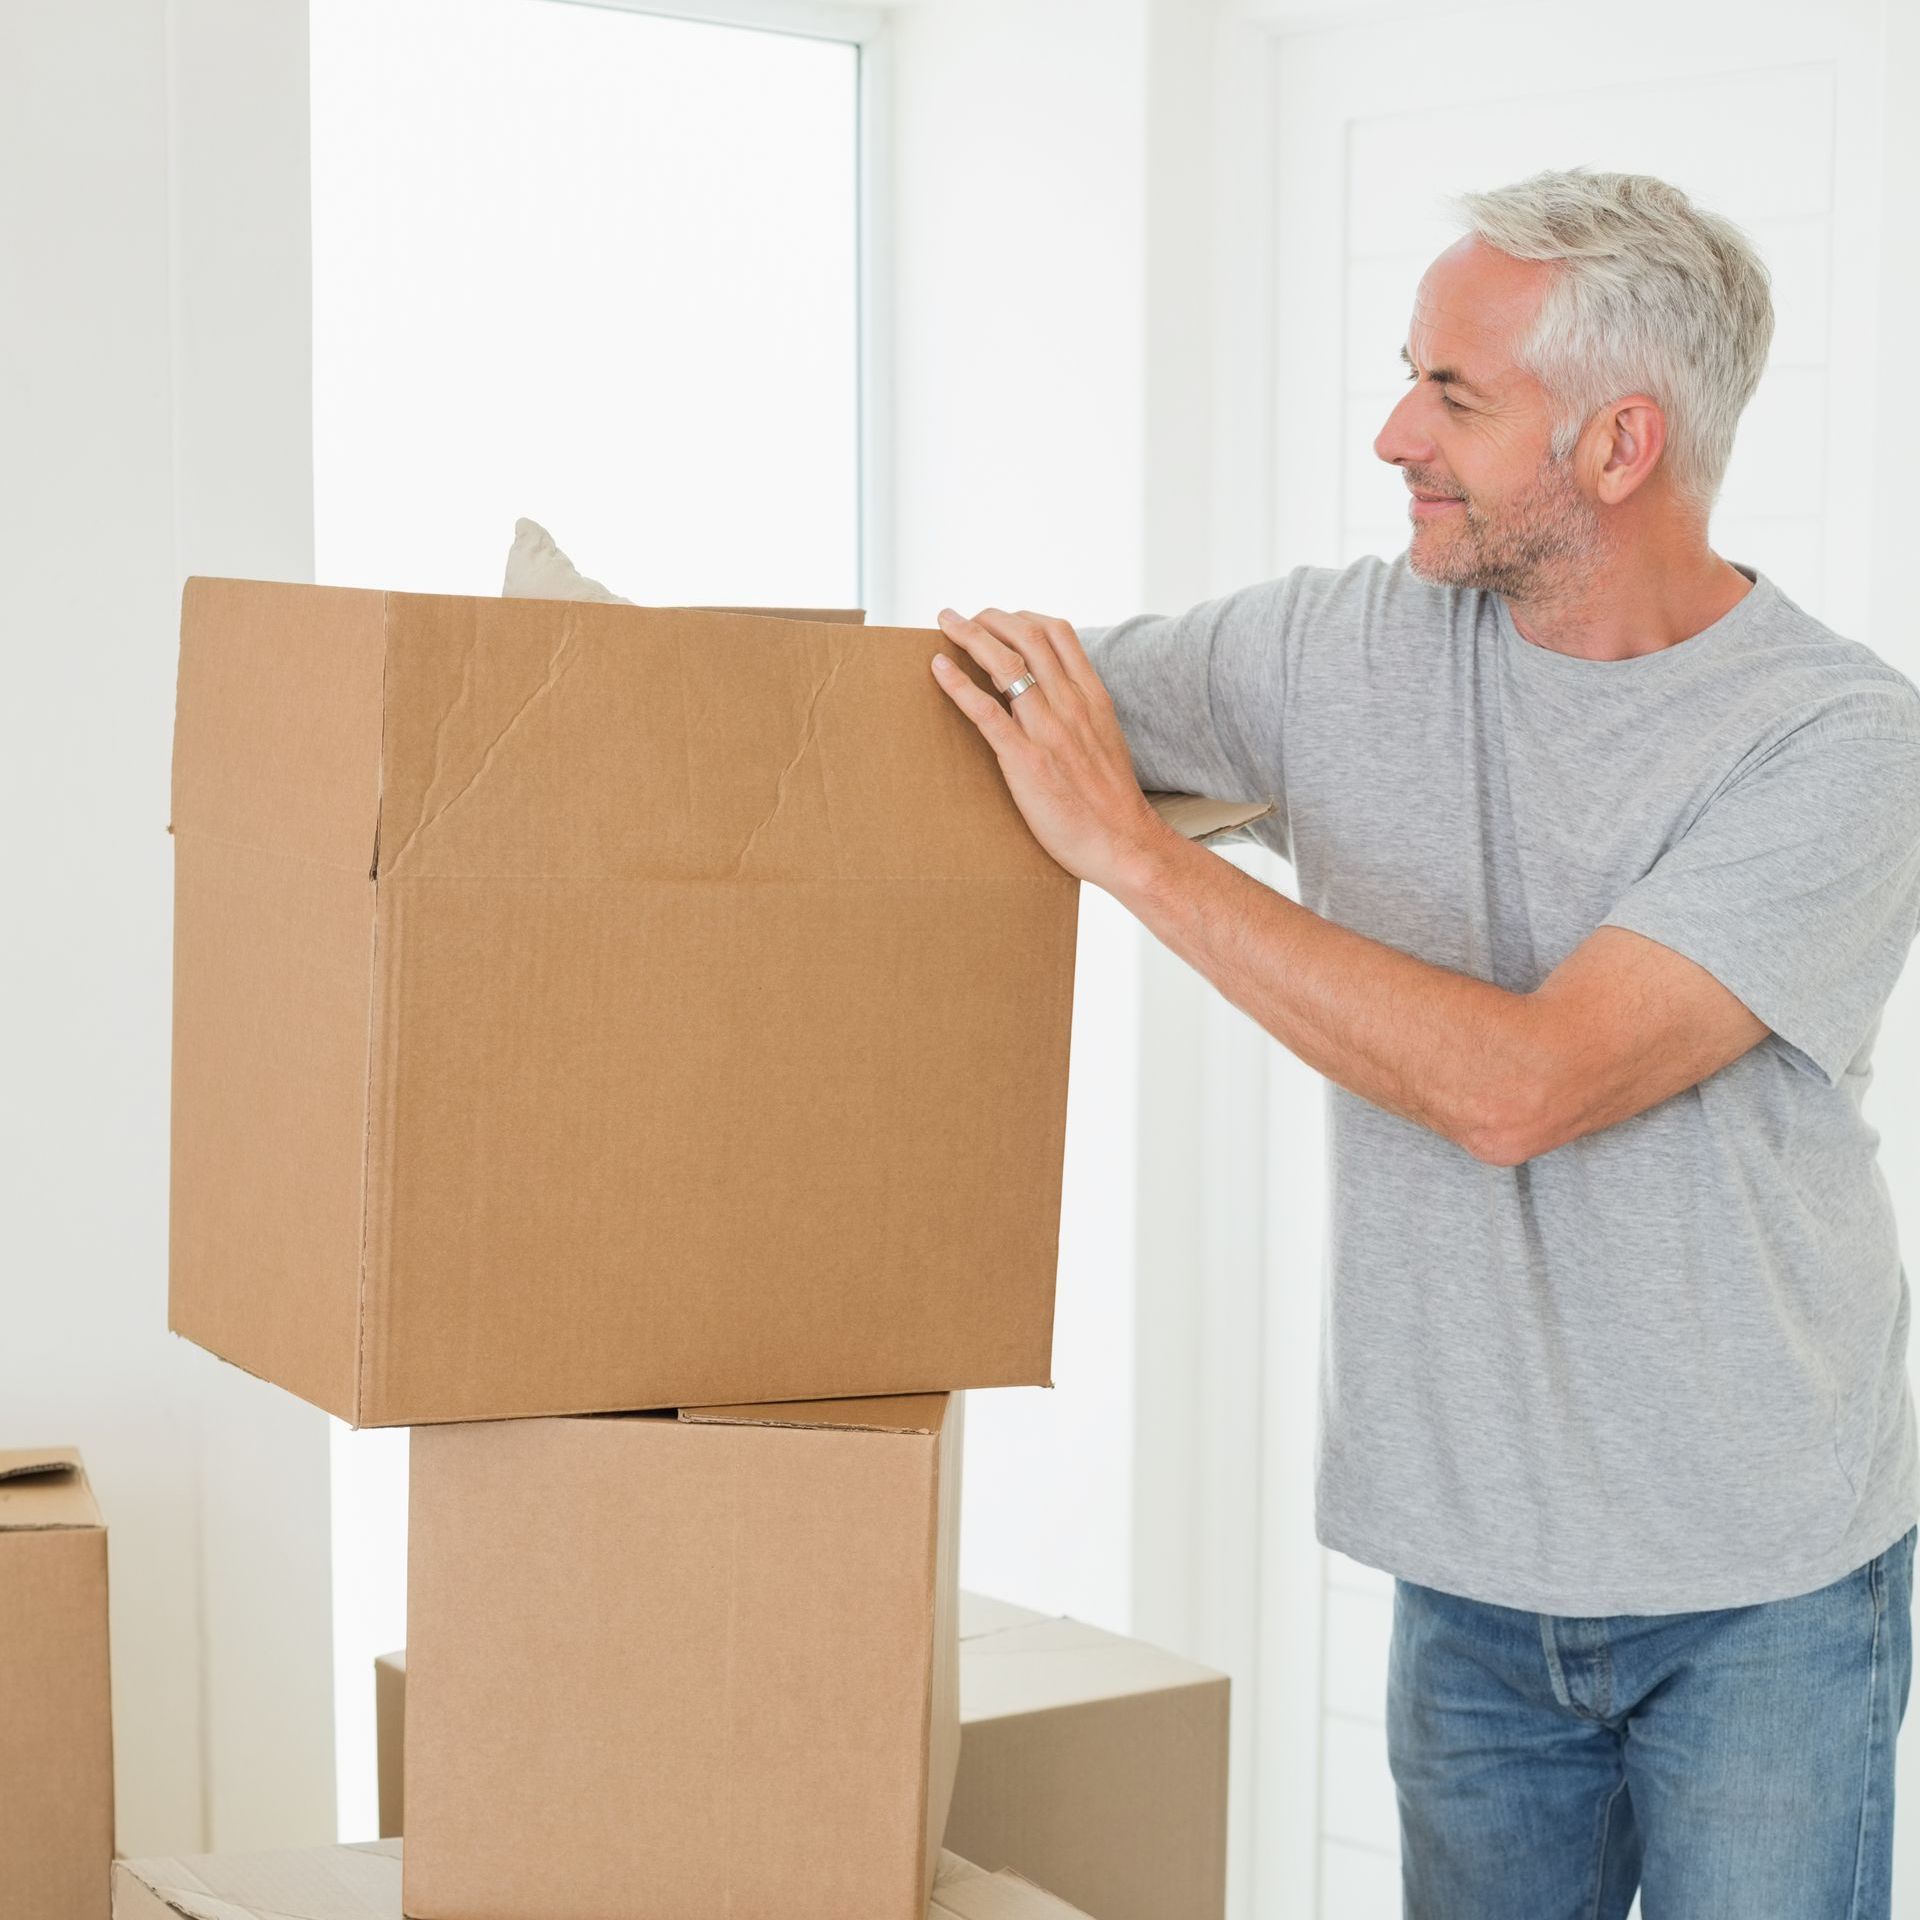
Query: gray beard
(1540, 546)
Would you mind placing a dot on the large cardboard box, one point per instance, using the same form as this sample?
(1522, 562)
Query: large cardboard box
(673, 1665)
(583, 1006)
(56, 1727)
(363, 1883)
(1093, 1763)
(1089, 1762)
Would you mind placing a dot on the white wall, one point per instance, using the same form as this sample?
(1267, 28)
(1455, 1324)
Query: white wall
(154, 193)
(1018, 270)
(86, 546)
(152, 210)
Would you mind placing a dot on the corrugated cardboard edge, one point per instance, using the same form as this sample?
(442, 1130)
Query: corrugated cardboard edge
(43, 1464)
(908, 1413)
(13, 1468)
(376, 1008)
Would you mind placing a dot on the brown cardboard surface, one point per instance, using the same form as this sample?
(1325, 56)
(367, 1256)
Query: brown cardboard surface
(363, 1883)
(390, 1721)
(56, 1734)
(583, 1006)
(45, 1487)
(1093, 1763)
(707, 1658)
(1088, 1761)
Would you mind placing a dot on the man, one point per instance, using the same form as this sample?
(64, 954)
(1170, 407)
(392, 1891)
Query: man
(1608, 858)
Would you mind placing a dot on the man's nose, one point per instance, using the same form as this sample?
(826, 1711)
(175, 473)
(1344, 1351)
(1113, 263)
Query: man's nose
(1401, 442)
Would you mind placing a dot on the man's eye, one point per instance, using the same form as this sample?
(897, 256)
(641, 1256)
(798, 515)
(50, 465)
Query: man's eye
(1447, 400)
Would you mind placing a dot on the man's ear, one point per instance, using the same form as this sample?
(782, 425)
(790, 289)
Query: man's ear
(1629, 437)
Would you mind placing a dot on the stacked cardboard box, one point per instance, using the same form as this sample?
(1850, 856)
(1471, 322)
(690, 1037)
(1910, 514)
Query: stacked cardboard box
(56, 1734)
(629, 1046)
(1093, 1764)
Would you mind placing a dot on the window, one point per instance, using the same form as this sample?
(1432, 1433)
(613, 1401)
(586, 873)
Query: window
(599, 268)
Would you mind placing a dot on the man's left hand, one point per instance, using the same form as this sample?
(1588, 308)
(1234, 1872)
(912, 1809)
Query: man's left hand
(1059, 743)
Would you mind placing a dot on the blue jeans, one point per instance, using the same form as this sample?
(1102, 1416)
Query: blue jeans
(1731, 1765)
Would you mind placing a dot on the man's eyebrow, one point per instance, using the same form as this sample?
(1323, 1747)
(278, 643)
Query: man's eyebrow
(1448, 377)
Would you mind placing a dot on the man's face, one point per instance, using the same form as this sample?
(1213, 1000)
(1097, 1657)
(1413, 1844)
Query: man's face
(1490, 507)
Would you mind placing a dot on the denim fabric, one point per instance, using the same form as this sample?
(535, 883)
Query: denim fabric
(1735, 1764)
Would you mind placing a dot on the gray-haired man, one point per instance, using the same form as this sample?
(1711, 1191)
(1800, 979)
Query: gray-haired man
(1608, 858)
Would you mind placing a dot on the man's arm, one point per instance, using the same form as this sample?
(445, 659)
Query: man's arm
(1622, 1024)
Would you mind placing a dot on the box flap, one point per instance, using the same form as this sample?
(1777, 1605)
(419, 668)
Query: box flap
(845, 616)
(43, 1488)
(981, 1613)
(881, 1413)
(962, 1891)
(276, 743)
(834, 756)
(308, 1883)
(363, 1883)
(1198, 818)
(1050, 1664)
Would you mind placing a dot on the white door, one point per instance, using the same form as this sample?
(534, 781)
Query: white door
(1770, 113)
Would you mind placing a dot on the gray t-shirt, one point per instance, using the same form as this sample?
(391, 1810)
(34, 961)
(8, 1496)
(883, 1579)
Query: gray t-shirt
(1664, 1366)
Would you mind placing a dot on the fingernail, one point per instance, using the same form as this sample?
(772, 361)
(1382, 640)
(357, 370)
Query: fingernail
(941, 660)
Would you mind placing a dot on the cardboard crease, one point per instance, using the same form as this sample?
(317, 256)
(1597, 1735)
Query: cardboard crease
(430, 815)
(809, 733)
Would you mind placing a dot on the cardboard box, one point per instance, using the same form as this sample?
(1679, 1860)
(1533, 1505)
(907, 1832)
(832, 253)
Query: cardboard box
(390, 1733)
(56, 1725)
(582, 1006)
(709, 1657)
(1093, 1763)
(363, 1883)
(1090, 1762)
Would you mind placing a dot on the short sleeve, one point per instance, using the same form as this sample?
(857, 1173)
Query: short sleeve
(1798, 887)
(1200, 694)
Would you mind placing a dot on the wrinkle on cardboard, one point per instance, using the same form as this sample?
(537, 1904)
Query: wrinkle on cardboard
(706, 982)
(809, 734)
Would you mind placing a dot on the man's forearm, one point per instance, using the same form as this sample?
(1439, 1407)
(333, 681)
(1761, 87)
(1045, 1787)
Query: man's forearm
(1455, 1054)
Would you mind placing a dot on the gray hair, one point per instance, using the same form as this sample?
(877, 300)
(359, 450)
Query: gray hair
(1653, 296)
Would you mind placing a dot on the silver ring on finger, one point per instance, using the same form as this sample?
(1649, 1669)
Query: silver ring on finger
(1017, 687)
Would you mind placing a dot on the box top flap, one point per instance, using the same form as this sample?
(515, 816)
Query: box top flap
(363, 1883)
(846, 616)
(962, 1891)
(982, 1613)
(880, 1413)
(552, 739)
(276, 743)
(43, 1488)
(1198, 818)
(1045, 1665)
(304, 1883)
